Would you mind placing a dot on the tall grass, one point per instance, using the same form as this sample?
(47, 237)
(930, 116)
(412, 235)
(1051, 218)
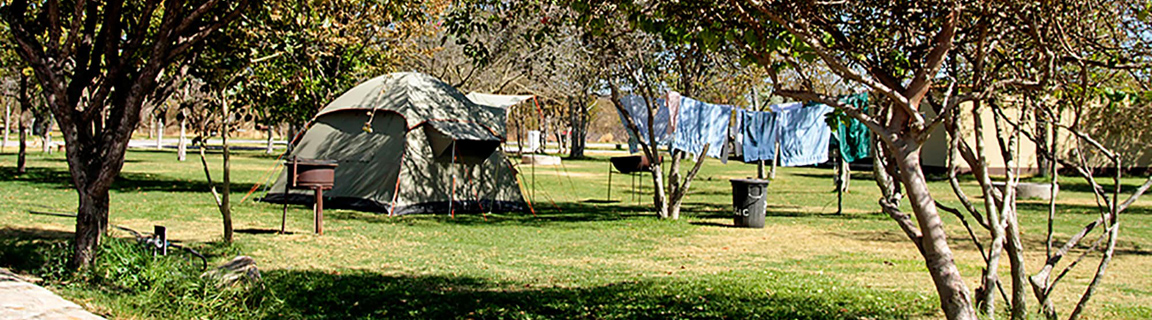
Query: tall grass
(131, 278)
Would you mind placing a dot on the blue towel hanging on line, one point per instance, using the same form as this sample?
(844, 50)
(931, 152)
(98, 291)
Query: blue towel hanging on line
(804, 136)
(638, 110)
(801, 132)
(759, 135)
(699, 123)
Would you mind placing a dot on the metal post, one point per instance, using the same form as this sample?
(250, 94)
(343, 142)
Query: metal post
(161, 234)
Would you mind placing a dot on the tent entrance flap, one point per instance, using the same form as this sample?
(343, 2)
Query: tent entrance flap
(472, 142)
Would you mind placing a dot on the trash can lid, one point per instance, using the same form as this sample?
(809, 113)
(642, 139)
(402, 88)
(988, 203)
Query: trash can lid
(749, 181)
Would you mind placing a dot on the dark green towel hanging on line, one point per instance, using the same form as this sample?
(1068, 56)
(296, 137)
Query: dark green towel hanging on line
(855, 139)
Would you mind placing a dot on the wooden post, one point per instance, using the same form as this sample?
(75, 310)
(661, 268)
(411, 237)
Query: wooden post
(289, 181)
(182, 146)
(609, 181)
(318, 210)
(226, 202)
(7, 123)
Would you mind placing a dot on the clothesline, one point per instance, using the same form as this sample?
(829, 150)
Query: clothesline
(686, 124)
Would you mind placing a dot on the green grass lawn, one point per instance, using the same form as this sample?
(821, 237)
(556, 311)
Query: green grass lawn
(577, 257)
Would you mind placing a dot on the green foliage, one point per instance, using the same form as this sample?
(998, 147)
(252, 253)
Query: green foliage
(47, 259)
(290, 58)
(167, 286)
(127, 275)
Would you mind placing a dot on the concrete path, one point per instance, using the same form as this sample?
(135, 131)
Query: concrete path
(20, 300)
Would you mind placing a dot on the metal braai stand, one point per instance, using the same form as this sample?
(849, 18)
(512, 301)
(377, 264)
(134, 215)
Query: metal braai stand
(313, 174)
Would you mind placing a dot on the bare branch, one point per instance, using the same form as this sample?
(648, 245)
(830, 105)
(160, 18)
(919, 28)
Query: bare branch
(827, 57)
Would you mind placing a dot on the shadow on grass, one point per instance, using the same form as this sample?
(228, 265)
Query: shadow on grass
(1063, 208)
(1031, 243)
(27, 250)
(713, 224)
(545, 214)
(790, 214)
(60, 178)
(856, 175)
(363, 294)
(262, 231)
(31, 250)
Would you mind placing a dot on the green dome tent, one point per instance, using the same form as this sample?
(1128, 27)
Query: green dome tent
(409, 143)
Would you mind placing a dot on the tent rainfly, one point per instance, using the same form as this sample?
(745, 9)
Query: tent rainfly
(409, 143)
(497, 100)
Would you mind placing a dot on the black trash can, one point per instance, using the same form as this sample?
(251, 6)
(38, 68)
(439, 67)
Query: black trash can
(748, 200)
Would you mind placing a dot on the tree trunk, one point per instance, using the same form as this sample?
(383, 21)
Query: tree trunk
(775, 159)
(579, 133)
(1015, 250)
(269, 149)
(225, 205)
(159, 134)
(986, 296)
(91, 223)
(290, 137)
(659, 198)
(955, 299)
(22, 149)
(182, 145)
(519, 136)
(46, 137)
(674, 179)
(680, 186)
(7, 123)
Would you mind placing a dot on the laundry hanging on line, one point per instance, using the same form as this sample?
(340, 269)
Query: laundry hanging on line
(855, 139)
(803, 136)
(759, 133)
(801, 132)
(699, 124)
(673, 100)
(638, 109)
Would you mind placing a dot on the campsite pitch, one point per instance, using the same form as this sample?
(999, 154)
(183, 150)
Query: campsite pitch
(579, 256)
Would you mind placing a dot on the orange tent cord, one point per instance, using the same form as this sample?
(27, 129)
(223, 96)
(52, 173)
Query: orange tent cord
(275, 166)
(396, 190)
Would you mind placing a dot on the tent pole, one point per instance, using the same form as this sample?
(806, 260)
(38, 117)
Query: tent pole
(452, 193)
(475, 187)
(476, 191)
